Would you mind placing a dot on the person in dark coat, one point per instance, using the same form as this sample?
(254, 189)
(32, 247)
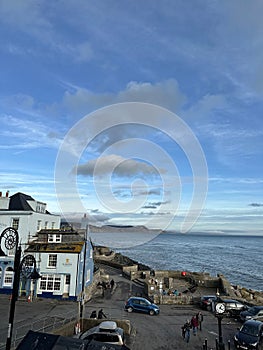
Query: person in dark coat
(186, 330)
(101, 314)
(93, 314)
(200, 319)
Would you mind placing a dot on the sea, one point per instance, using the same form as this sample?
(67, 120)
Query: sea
(238, 258)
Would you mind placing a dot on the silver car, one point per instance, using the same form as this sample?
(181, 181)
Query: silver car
(252, 313)
(105, 332)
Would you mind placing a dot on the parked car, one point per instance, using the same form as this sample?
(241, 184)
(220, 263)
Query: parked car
(106, 332)
(140, 304)
(233, 307)
(206, 301)
(250, 336)
(254, 313)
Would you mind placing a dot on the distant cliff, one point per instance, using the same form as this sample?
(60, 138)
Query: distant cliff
(119, 228)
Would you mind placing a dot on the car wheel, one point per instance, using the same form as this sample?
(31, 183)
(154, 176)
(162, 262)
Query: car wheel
(209, 308)
(130, 309)
(151, 312)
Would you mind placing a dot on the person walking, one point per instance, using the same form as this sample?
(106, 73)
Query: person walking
(93, 314)
(186, 330)
(194, 324)
(101, 314)
(200, 319)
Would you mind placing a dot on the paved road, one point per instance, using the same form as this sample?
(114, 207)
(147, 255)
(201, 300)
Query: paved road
(148, 332)
(162, 331)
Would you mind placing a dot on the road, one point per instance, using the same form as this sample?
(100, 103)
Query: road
(148, 332)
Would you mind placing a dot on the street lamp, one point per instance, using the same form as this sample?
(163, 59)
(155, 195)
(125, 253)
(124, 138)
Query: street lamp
(220, 309)
(10, 238)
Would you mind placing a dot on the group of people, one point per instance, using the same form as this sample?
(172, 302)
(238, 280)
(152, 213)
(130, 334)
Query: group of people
(195, 323)
(171, 292)
(99, 316)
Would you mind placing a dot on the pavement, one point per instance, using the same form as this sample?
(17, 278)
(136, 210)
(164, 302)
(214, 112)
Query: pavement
(162, 332)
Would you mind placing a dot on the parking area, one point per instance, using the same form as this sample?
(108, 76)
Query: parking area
(148, 332)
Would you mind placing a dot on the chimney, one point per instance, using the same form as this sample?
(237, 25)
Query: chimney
(4, 201)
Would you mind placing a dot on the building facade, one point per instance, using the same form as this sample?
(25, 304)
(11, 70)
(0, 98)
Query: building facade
(64, 261)
(27, 216)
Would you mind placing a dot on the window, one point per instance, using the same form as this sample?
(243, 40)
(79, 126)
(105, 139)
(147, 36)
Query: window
(67, 279)
(15, 223)
(8, 280)
(52, 260)
(46, 225)
(53, 225)
(50, 282)
(38, 225)
(54, 238)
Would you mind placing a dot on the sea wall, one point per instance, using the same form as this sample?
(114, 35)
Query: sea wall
(176, 287)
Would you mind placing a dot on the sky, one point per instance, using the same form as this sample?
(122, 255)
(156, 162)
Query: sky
(135, 112)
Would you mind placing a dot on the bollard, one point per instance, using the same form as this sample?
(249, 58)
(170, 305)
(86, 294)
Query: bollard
(205, 343)
(228, 343)
(216, 344)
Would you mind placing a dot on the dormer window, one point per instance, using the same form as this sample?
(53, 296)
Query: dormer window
(54, 238)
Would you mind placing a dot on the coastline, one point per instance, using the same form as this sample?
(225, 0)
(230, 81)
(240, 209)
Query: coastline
(109, 257)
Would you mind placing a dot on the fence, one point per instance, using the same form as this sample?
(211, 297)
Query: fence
(46, 324)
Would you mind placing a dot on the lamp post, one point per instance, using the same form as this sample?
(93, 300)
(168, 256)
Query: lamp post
(10, 238)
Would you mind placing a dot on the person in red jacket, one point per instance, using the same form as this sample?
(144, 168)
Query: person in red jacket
(194, 324)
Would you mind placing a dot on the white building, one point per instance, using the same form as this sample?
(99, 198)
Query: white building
(65, 264)
(27, 215)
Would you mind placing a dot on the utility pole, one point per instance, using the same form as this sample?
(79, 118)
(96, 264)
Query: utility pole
(82, 300)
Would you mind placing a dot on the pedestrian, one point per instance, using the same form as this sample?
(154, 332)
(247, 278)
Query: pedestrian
(112, 284)
(93, 314)
(101, 314)
(194, 324)
(200, 319)
(186, 330)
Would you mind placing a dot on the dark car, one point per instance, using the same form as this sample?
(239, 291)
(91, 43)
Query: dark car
(250, 336)
(206, 301)
(141, 305)
(233, 307)
(254, 313)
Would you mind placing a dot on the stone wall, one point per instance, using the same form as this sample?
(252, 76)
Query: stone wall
(68, 329)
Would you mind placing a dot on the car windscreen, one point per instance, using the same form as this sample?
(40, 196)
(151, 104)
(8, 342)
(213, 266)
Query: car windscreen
(250, 330)
(104, 337)
(253, 310)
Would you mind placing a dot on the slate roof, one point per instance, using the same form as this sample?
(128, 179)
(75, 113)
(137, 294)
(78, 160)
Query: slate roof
(75, 247)
(18, 201)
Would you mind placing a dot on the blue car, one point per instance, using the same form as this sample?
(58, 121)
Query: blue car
(250, 336)
(139, 304)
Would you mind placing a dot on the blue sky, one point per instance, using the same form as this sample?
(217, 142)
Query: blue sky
(65, 62)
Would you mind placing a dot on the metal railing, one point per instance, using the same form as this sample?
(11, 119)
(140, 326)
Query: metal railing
(45, 324)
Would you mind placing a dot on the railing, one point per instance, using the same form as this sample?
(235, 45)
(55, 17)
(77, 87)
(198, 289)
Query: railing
(46, 324)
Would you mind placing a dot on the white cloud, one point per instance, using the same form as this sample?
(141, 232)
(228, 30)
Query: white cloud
(165, 93)
(115, 164)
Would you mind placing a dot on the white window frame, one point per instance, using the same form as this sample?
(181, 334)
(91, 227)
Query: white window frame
(39, 222)
(50, 283)
(52, 261)
(8, 277)
(15, 223)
